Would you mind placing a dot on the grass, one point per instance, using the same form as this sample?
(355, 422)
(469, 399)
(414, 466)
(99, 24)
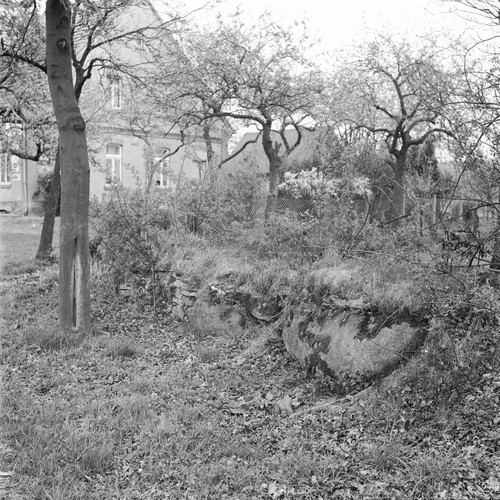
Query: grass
(19, 238)
(146, 410)
(150, 409)
(47, 337)
(121, 347)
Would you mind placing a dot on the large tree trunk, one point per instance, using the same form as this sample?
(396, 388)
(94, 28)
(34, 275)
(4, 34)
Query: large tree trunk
(272, 196)
(272, 150)
(47, 236)
(74, 267)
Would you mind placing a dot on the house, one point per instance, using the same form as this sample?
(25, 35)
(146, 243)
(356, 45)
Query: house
(134, 144)
(130, 142)
(18, 176)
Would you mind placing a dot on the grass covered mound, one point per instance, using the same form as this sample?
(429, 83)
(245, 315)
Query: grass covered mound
(147, 408)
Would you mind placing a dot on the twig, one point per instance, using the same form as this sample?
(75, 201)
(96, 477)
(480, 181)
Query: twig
(330, 403)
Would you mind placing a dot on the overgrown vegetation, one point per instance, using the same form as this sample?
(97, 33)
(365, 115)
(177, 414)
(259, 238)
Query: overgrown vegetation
(150, 407)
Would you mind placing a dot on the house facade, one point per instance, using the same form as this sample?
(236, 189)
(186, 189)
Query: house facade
(122, 157)
(18, 176)
(131, 144)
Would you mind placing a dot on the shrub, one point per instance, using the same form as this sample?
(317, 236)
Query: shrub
(43, 189)
(131, 234)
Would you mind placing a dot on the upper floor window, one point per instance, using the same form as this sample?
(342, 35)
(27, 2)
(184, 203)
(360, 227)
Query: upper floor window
(161, 165)
(5, 169)
(113, 164)
(115, 93)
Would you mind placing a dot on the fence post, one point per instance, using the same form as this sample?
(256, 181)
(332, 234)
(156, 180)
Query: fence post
(434, 210)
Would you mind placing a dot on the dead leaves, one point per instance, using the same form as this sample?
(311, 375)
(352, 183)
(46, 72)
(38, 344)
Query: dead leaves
(245, 406)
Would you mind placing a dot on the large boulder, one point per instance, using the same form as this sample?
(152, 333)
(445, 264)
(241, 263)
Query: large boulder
(348, 341)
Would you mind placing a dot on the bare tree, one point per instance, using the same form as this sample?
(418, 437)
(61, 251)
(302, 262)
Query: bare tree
(82, 37)
(402, 92)
(482, 95)
(256, 76)
(24, 95)
(74, 272)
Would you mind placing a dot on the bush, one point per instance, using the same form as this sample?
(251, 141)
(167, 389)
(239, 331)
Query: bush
(132, 231)
(43, 190)
(286, 236)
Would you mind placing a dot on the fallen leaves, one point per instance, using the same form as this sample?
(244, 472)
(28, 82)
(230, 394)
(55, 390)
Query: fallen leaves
(192, 428)
(245, 406)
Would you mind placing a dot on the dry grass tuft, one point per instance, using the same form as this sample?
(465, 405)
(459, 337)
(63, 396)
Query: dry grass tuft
(121, 347)
(50, 337)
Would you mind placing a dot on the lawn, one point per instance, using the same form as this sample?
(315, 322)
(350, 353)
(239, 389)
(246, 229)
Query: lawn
(149, 408)
(19, 238)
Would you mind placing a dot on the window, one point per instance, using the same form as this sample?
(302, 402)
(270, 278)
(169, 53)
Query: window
(202, 168)
(115, 93)
(5, 169)
(113, 164)
(10, 134)
(161, 165)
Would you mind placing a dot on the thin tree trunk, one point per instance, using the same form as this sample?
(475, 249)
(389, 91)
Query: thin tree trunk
(209, 145)
(47, 236)
(74, 267)
(495, 255)
(209, 176)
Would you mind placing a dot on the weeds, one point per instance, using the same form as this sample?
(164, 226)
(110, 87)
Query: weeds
(50, 337)
(152, 409)
(432, 473)
(121, 347)
(388, 454)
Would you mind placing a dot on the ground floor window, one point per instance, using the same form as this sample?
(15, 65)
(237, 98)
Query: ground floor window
(202, 168)
(161, 166)
(113, 164)
(5, 169)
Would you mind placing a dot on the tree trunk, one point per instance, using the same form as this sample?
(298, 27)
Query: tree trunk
(45, 245)
(398, 191)
(272, 150)
(495, 255)
(210, 174)
(272, 196)
(74, 267)
(208, 143)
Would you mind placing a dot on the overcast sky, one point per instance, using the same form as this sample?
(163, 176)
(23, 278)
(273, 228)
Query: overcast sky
(338, 22)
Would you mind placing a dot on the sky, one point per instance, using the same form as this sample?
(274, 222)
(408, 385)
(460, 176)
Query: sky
(338, 23)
